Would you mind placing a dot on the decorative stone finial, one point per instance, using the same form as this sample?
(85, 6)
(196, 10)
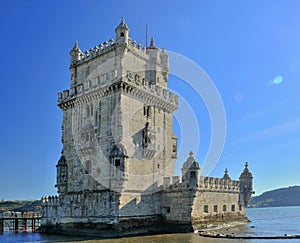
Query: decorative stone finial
(246, 172)
(191, 153)
(75, 54)
(226, 176)
(122, 25)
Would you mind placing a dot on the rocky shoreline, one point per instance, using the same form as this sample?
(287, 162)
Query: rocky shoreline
(233, 230)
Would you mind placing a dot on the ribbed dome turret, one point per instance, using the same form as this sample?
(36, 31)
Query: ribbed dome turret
(122, 25)
(191, 163)
(246, 173)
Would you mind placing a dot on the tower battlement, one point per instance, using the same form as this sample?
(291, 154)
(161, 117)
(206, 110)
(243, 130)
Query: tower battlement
(205, 184)
(107, 46)
(154, 94)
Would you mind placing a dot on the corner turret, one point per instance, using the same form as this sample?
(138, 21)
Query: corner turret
(75, 54)
(62, 175)
(164, 57)
(191, 171)
(246, 186)
(122, 33)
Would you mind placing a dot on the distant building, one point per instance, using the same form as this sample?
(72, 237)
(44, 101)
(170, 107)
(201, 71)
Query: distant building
(116, 171)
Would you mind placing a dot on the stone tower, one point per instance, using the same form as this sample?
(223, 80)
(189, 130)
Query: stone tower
(117, 128)
(115, 175)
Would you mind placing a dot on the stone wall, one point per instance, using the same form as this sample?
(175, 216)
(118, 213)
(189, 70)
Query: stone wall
(212, 199)
(139, 205)
(84, 207)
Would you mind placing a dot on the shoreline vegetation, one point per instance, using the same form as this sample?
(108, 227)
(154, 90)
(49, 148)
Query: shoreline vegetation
(21, 205)
(282, 197)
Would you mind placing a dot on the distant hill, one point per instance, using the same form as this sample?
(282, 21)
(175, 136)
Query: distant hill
(289, 196)
(20, 205)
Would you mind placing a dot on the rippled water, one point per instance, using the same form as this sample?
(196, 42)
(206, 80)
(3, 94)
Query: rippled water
(266, 222)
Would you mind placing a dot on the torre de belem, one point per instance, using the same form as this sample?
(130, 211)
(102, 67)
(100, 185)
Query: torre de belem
(115, 175)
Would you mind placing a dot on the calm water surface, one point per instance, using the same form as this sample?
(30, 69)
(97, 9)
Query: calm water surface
(267, 222)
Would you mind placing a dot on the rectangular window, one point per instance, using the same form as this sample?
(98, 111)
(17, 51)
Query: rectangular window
(168, 209)
(216, 208)
(88, 167)
(232, 208)
(91, 109)
(147, 111)
(241, 207)
(205, 209)
(117, 162)
(174, 148)
(224, 208)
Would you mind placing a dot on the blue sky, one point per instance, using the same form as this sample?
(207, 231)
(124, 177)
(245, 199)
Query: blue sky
(250, 49)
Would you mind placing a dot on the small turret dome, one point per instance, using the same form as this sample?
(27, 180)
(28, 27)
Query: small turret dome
(119, 151)
(75, 53)
(191, 171)
(122, 25)
(246, 173)
(122, 33)
(62, 161)
(191, 163)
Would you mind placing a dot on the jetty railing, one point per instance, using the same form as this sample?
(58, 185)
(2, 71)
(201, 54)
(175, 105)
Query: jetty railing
(19, 221)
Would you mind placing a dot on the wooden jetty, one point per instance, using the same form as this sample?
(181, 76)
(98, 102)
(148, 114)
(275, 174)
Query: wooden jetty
(19, 222)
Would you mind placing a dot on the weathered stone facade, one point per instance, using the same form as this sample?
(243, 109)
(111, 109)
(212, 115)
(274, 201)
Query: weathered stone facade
(116, 170)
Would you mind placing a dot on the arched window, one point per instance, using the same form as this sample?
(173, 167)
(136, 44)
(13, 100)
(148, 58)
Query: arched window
(88, 167)
(91, 109)
(147, 111)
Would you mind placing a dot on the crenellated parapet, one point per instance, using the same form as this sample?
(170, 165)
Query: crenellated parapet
(108, 46)
(124, 42)
(152, 94)
(50, 201)
(205, 184)
(219, 184)
(81, 207)
(97, 51)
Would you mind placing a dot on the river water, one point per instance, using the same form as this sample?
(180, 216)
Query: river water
(264, 222)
